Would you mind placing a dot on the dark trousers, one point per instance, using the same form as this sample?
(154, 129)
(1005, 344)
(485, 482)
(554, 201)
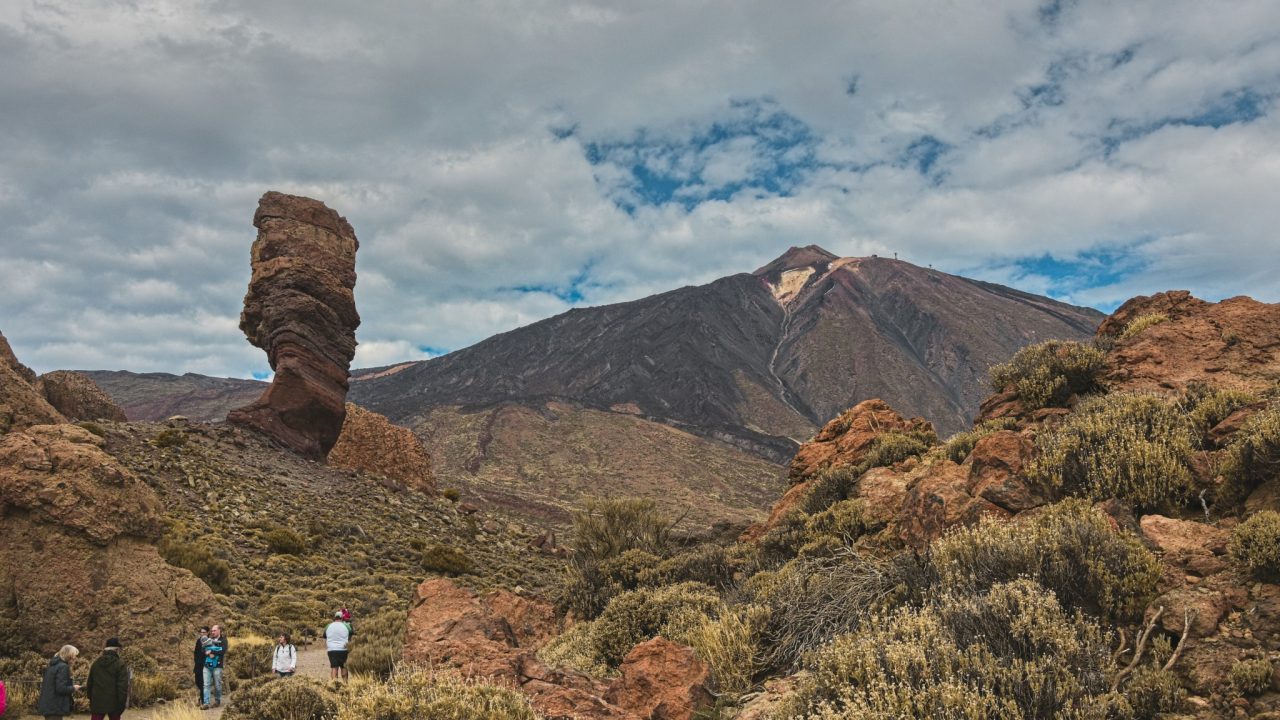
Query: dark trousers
(100, 716)
(200, 679)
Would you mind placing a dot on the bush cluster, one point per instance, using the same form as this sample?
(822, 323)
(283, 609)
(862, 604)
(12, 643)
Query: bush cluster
(292, 698)
(377, 647)
(179, 550)
(1207, 406)
(1151, 691)
(1011, 652)
(1140, 323)
(1253, 455)
(1255, 543)
(1251, 677)
(1133, 447)
(446, 560)
(1069, 548)
(419, 694)
(1049, 373)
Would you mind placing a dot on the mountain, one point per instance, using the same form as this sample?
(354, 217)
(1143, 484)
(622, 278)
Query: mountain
(759, 360)
(157, 396)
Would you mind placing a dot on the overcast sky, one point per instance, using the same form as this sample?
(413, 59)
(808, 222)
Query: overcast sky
(504, 161)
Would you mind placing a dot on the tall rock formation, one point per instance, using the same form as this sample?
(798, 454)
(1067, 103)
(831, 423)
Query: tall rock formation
(301, 309)
(21, 403)
(78, 397)
(370, 443)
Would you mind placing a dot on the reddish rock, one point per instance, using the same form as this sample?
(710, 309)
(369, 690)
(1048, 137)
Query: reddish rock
(21, 403)
(1264, 497)
(790, 500)
(1183, 537)
(937, 500)
(1221, 433)
(662, 680)
(883, 490)
(995, 467)
(1207, 609)
(1001, 405)
(370, 443)
(844, 441)
(301, 309)
(77, 397)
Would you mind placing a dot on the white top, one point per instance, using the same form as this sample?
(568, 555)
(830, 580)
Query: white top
(337, 635)
(285, 659)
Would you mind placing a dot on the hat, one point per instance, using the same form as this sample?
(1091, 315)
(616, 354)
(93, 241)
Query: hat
(338, 614)
(113, 643)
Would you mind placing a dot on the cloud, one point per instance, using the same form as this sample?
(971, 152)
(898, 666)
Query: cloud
(502, 162)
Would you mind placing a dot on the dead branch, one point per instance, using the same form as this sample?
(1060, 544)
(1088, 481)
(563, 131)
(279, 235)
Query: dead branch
(1182, 641)
(1121, 648)
(1138, 649)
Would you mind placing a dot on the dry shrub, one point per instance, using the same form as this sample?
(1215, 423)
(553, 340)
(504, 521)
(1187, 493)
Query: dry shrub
(1009, 653)
(446, 560)
(1133, 447)
(149, 688)
(417, 694)
(707, 563)
(291, 698)
(1049, 373)
(1251, 677)
(177, 711)
(376, 649)
(575, 648)
(1151, 691)
(1069, 548)
(1140, 323)
(180, 550)
(958, 446)
(170, 438)
(248, 657)
(1253, 455)
(284, 541)
(1255, 543)
(731, 645)
(602, 532)
(1207, 406)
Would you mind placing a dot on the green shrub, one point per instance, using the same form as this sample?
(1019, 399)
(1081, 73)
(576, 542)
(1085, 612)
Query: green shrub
(376, 649)
(420, 694)
(1140, 323)
(1253, 455)
(958, 446)
(1207, 406)
(1049, 373)
(292, 698)
(638, 615)
(731, 646)
(1151, 691)
(446, 560)
(194, 556)
(831, 486)
(575, 648)
(614, 540)
(1136, 448)
(707, 563)
(1068, 548)
(170, 437)
(248, 657)
(284, 541)
(1255, 543)
(451, 494)
(1251, 677)
(151, 688)
(1010, 653)
(94, 428)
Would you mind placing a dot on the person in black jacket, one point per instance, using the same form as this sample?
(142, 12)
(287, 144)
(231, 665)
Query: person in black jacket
(199, 660)
(108, 685)
(56, 689)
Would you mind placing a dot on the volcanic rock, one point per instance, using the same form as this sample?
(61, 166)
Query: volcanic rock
(301, 309)
(88, 523)
(662, 680)
(938, 499)
(844, 441)
(370, 443)
(78, 397)
(21, 403)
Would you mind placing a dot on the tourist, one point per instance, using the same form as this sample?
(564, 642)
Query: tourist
(285, 660)
(108, 685)
(215, 656)
(336, 637)
(56, 689)
(199, 660)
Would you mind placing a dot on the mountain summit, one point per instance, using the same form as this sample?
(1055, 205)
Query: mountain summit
(760, 359)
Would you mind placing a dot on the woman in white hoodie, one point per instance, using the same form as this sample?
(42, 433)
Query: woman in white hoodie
(285, 660)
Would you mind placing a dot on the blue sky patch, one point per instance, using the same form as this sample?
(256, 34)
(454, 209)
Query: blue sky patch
(261, 374)
(1086, 270)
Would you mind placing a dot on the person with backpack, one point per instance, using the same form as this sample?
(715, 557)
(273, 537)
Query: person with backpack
(108, 684)
(285, 660)
(337, 635)
(56, 688)
(215, 657)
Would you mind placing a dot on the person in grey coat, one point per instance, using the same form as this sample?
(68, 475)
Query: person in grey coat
(56, 689)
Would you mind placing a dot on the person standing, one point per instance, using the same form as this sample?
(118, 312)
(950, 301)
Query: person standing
(108, 684)
(336, 638)
(198, 665)
(56, 689)
(215, 656)
(285, 660)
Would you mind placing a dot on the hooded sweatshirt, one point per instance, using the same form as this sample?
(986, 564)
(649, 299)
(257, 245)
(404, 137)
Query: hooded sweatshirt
(56, 689)
(108, 684)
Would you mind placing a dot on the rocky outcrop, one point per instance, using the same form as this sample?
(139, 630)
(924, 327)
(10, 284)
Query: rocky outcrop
(21, 402)
(369, 443)
(301, 309)
(76, 559)
(844, 441)
(662, 680)
(78, 397)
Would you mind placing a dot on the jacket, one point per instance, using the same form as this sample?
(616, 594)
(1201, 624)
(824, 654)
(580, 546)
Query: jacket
(215, 652)
(108, 684)
(56, 689)
(285, 658)
(199, 656)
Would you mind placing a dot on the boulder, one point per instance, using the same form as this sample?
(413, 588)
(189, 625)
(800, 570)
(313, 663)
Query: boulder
(1183, 537)
(21, 402)
(78, 398)
(995, 472)
(661, 680)
(938, 499)
(301, 309)
(844, 441)
(370, 443)
(883, 490)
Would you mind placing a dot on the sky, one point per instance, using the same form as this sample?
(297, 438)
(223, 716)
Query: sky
(503, 162)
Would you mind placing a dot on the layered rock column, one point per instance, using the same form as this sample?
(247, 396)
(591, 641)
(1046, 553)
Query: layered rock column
(301, 309)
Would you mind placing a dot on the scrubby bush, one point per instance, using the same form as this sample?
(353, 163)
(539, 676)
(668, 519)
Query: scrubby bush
(248, 657)
(1253, 455)
(1068, 548)
(707, 563)
(638, 615)
(420, 694)
(94, 428)
(284, 541)
(376, 649)
(1049, 373)
(731, 646)
(1009, 653)
(1140, 323)
(451, 494)
(575, 648)
(1151, 691)
(1133, 447)
(446, 560)
(834, 485)
(958, 446)
(193, 555)
(292, 698)
(170, 438)
(1251, 677)
(1207, 406)
(1255, 543)
(603, 533)
(150, 688)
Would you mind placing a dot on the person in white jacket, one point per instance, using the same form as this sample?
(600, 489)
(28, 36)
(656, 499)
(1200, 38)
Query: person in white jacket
(285, 660)
(336, 637)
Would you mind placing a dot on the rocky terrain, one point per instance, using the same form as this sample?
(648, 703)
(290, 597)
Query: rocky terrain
(301, 309)
(160, 396)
